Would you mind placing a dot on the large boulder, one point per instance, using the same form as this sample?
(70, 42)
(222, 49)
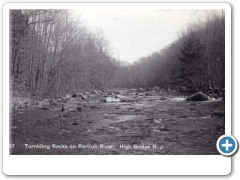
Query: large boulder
(95, 92)
(140, 90)
(199, 96)
(44, 102)
(156, 88)
(18, 103)
(53, 102)
(79, 95)
(68, 96)
(72, 105)
(87, 93)
(110, 93)
(83, 96)
(125, 98)
(74, 95)
(112, 99)
(151, 93)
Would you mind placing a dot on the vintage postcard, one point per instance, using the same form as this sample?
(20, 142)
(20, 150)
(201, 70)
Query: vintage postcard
(118, 79)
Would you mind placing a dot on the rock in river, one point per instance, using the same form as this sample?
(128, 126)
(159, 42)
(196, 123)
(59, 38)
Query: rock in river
(124, 98)
(68, 96)
(151, 93)
(199, 96)
(112, 99)
(44, 102)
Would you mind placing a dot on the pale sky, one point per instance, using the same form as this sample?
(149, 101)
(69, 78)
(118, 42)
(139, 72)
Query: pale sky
(133, 34)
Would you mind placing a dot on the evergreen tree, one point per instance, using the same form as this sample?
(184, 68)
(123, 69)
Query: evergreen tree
(191, 62)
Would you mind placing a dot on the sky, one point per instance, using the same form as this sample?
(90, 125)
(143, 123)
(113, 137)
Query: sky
(135, 33)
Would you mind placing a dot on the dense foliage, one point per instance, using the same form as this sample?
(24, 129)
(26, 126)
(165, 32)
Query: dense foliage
(196, 61)
(52, 53)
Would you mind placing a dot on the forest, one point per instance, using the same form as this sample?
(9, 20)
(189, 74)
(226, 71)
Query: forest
(52, 53)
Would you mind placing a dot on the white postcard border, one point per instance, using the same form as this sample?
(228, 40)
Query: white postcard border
(114, 164)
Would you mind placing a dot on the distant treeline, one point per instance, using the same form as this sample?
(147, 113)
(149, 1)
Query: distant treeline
(52, 53)
(196, 61)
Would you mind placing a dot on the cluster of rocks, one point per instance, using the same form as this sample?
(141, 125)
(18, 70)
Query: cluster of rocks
(73, 101)
(19, 103)
(70, 101)
(132, 95)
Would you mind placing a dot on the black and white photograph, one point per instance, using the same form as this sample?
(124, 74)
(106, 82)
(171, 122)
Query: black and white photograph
(116, 81)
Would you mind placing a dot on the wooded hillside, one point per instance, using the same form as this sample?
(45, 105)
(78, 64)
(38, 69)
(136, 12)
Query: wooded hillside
(196, 61)
(52, 53)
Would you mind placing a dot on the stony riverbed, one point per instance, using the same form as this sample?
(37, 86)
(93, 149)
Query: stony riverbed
(158, 124)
